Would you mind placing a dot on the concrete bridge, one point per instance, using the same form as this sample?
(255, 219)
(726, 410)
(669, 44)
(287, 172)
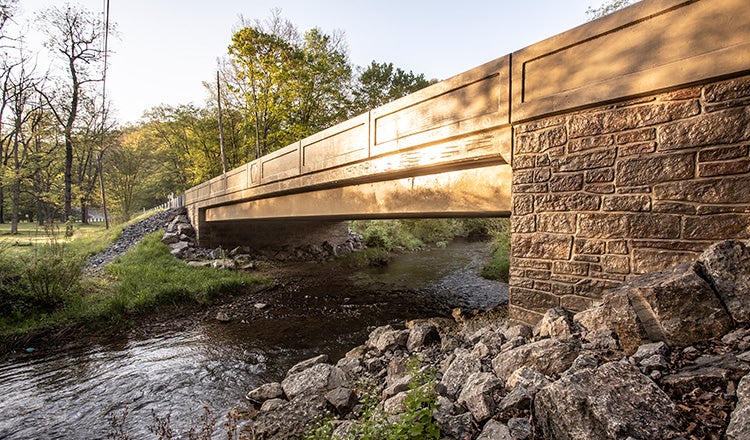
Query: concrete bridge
(627, 138)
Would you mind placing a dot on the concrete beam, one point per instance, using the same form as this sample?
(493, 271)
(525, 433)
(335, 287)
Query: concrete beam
(473, 192)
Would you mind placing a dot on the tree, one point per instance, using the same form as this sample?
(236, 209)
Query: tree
(607, 8)
(381, 83)
(75, 37)
(289, 86)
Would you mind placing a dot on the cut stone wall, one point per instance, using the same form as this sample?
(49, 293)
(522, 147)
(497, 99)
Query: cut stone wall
(605, 194)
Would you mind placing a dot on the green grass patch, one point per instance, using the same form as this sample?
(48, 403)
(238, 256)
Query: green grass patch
(499, 266)
(44, 289)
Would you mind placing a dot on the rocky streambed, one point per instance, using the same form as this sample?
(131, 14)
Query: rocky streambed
(665, 357)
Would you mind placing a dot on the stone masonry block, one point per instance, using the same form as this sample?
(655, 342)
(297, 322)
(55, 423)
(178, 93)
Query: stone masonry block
(590, 143)
(586, 246)
(642, 135)
(535, 300)
(654, 260)
(570, 268)
(560, 223)
(540, 141)
(603, 175)
(722, 127)
(719, 190)
(566, 182)
(633, 203)
(717, 227)
(523, 204)
(591, 124)
(567, 202)
(523, 223)
(585, 161)
(711, 169)
(616, 264)
(548, 246)
(723, 153)
(654, 169)
(737, 88)
(645, 225)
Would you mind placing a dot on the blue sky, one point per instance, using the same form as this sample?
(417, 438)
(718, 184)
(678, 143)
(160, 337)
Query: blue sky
(166, 48)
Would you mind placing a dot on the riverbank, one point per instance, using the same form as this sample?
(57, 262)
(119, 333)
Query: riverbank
(616, 371)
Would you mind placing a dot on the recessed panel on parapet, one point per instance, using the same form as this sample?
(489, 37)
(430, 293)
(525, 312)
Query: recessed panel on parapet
(280, 164)
(236, 179)
(473, 101)
(343, 143)
(650, 46)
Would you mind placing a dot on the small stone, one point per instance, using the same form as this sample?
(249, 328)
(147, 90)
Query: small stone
(265, 392)
(655, 375)
(343, 399)
(223, 317)
(648, 350)
(513, 343)
(520, 428)
(395, 404)
(272, 405)
(655, 362)
(307, 363)
(422, 335)
(260, 306)
(477, 395)
(520, 330)
(494, 430)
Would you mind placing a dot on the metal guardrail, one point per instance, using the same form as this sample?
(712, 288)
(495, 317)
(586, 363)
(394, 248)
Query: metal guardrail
(172, 202)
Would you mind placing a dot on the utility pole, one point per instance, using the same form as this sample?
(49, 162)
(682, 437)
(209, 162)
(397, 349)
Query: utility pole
(221, 131)
(104, 107)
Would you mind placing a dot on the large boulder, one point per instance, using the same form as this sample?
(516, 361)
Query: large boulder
(465, 363)
(739, 421)
(613, 401)
(548, 356)
(557, 323)
(319, 378)
(615, 313)
(726, 266)
(478, 395)
(291, 419)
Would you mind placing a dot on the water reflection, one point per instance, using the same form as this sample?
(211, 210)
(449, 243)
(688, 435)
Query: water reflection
(67, 393)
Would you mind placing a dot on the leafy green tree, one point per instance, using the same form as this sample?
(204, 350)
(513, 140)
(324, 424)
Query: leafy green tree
(381, 83)
(607, 8)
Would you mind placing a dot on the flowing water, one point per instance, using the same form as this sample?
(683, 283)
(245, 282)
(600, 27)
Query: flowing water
(74, 391)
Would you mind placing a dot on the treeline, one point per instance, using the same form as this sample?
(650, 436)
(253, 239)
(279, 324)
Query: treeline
(61, 152)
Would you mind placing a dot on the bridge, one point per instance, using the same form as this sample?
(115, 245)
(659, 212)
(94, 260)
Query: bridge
(617, 148)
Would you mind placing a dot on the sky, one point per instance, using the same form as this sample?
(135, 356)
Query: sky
(165, 49)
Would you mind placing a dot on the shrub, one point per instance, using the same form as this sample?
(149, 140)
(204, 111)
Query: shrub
(499, 266)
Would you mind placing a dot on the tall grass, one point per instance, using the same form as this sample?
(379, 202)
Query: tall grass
(45, 290)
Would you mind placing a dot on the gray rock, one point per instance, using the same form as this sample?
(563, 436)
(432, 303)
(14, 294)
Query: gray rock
(548, 356)
(655, 362)
(395, 403)
(726, 266)
(513, 343)
(612, 401)
(307, 363)
(520, 429)
(519, 330)
(734, 336)
(648, 350)
(170, 238)
(343, 399)
(350, 366)
(344, 430)
(557, 323)
(386, 338)
(290, 419)
(477, 395)
(223, 317)
(494, 430)
(523, 384)
(464, 365)
(272, 404)
(459, 426)
(178, 249)
(319, 378)
(583, 361)
(739, 421)
(224, 263)
(396, 386)
(707, 373)
(421, 335)
(266, 391)
(604, 339)
(444, 408)
(615, 313)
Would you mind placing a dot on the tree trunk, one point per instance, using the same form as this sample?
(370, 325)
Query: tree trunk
(16, 199)
(2, 204)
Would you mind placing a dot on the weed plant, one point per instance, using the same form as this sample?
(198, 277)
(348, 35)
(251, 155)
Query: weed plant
(499, 266)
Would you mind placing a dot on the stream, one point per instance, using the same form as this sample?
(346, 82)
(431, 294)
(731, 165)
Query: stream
(74, 391)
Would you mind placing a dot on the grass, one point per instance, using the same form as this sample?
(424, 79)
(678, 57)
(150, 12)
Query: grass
(42, 289)
(499, 266)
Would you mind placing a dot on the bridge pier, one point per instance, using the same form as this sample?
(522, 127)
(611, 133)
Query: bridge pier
(626, 189)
